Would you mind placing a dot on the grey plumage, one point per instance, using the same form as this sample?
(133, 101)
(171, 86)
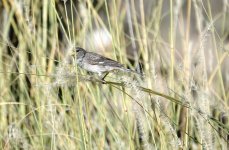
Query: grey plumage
(97, 63)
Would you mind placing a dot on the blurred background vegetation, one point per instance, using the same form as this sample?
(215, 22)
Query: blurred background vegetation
(181, 46)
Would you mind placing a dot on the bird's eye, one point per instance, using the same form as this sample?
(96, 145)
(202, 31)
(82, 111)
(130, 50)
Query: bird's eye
(78, 49)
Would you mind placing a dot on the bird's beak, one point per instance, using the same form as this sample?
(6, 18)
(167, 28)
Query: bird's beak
(73, 53)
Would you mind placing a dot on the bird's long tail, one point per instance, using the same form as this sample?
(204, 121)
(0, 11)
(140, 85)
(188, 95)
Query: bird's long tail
(132, 71)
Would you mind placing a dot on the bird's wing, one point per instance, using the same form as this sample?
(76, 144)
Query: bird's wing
(96, 59)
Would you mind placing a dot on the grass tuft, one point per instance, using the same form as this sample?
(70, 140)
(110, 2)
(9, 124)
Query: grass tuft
(48, 102)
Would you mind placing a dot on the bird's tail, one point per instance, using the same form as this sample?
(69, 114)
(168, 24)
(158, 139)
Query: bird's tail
(132, 71)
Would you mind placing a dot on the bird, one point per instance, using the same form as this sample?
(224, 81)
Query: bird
(97, 63)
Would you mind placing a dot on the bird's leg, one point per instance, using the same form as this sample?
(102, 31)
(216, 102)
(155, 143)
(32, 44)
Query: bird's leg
(105, 76)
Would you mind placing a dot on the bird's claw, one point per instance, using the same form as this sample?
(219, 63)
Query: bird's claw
(103, 81)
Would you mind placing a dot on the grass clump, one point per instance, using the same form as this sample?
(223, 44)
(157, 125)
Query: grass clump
(47, 102)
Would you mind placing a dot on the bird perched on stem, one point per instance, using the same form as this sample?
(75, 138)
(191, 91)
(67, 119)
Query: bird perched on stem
(96, 63)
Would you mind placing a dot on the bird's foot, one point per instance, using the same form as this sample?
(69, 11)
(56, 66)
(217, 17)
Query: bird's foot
(103, 81)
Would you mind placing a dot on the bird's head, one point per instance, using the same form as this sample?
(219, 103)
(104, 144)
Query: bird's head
(78, 49)
(78, 53)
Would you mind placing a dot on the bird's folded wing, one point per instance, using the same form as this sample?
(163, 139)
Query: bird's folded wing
(96, 59)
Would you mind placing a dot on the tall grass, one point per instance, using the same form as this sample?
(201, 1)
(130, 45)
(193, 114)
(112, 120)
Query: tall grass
(181, 47)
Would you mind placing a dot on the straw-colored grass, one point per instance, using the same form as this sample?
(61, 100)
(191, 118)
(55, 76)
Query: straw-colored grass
(181, 102)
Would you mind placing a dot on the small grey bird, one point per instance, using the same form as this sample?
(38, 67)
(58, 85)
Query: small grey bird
(96, 63)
